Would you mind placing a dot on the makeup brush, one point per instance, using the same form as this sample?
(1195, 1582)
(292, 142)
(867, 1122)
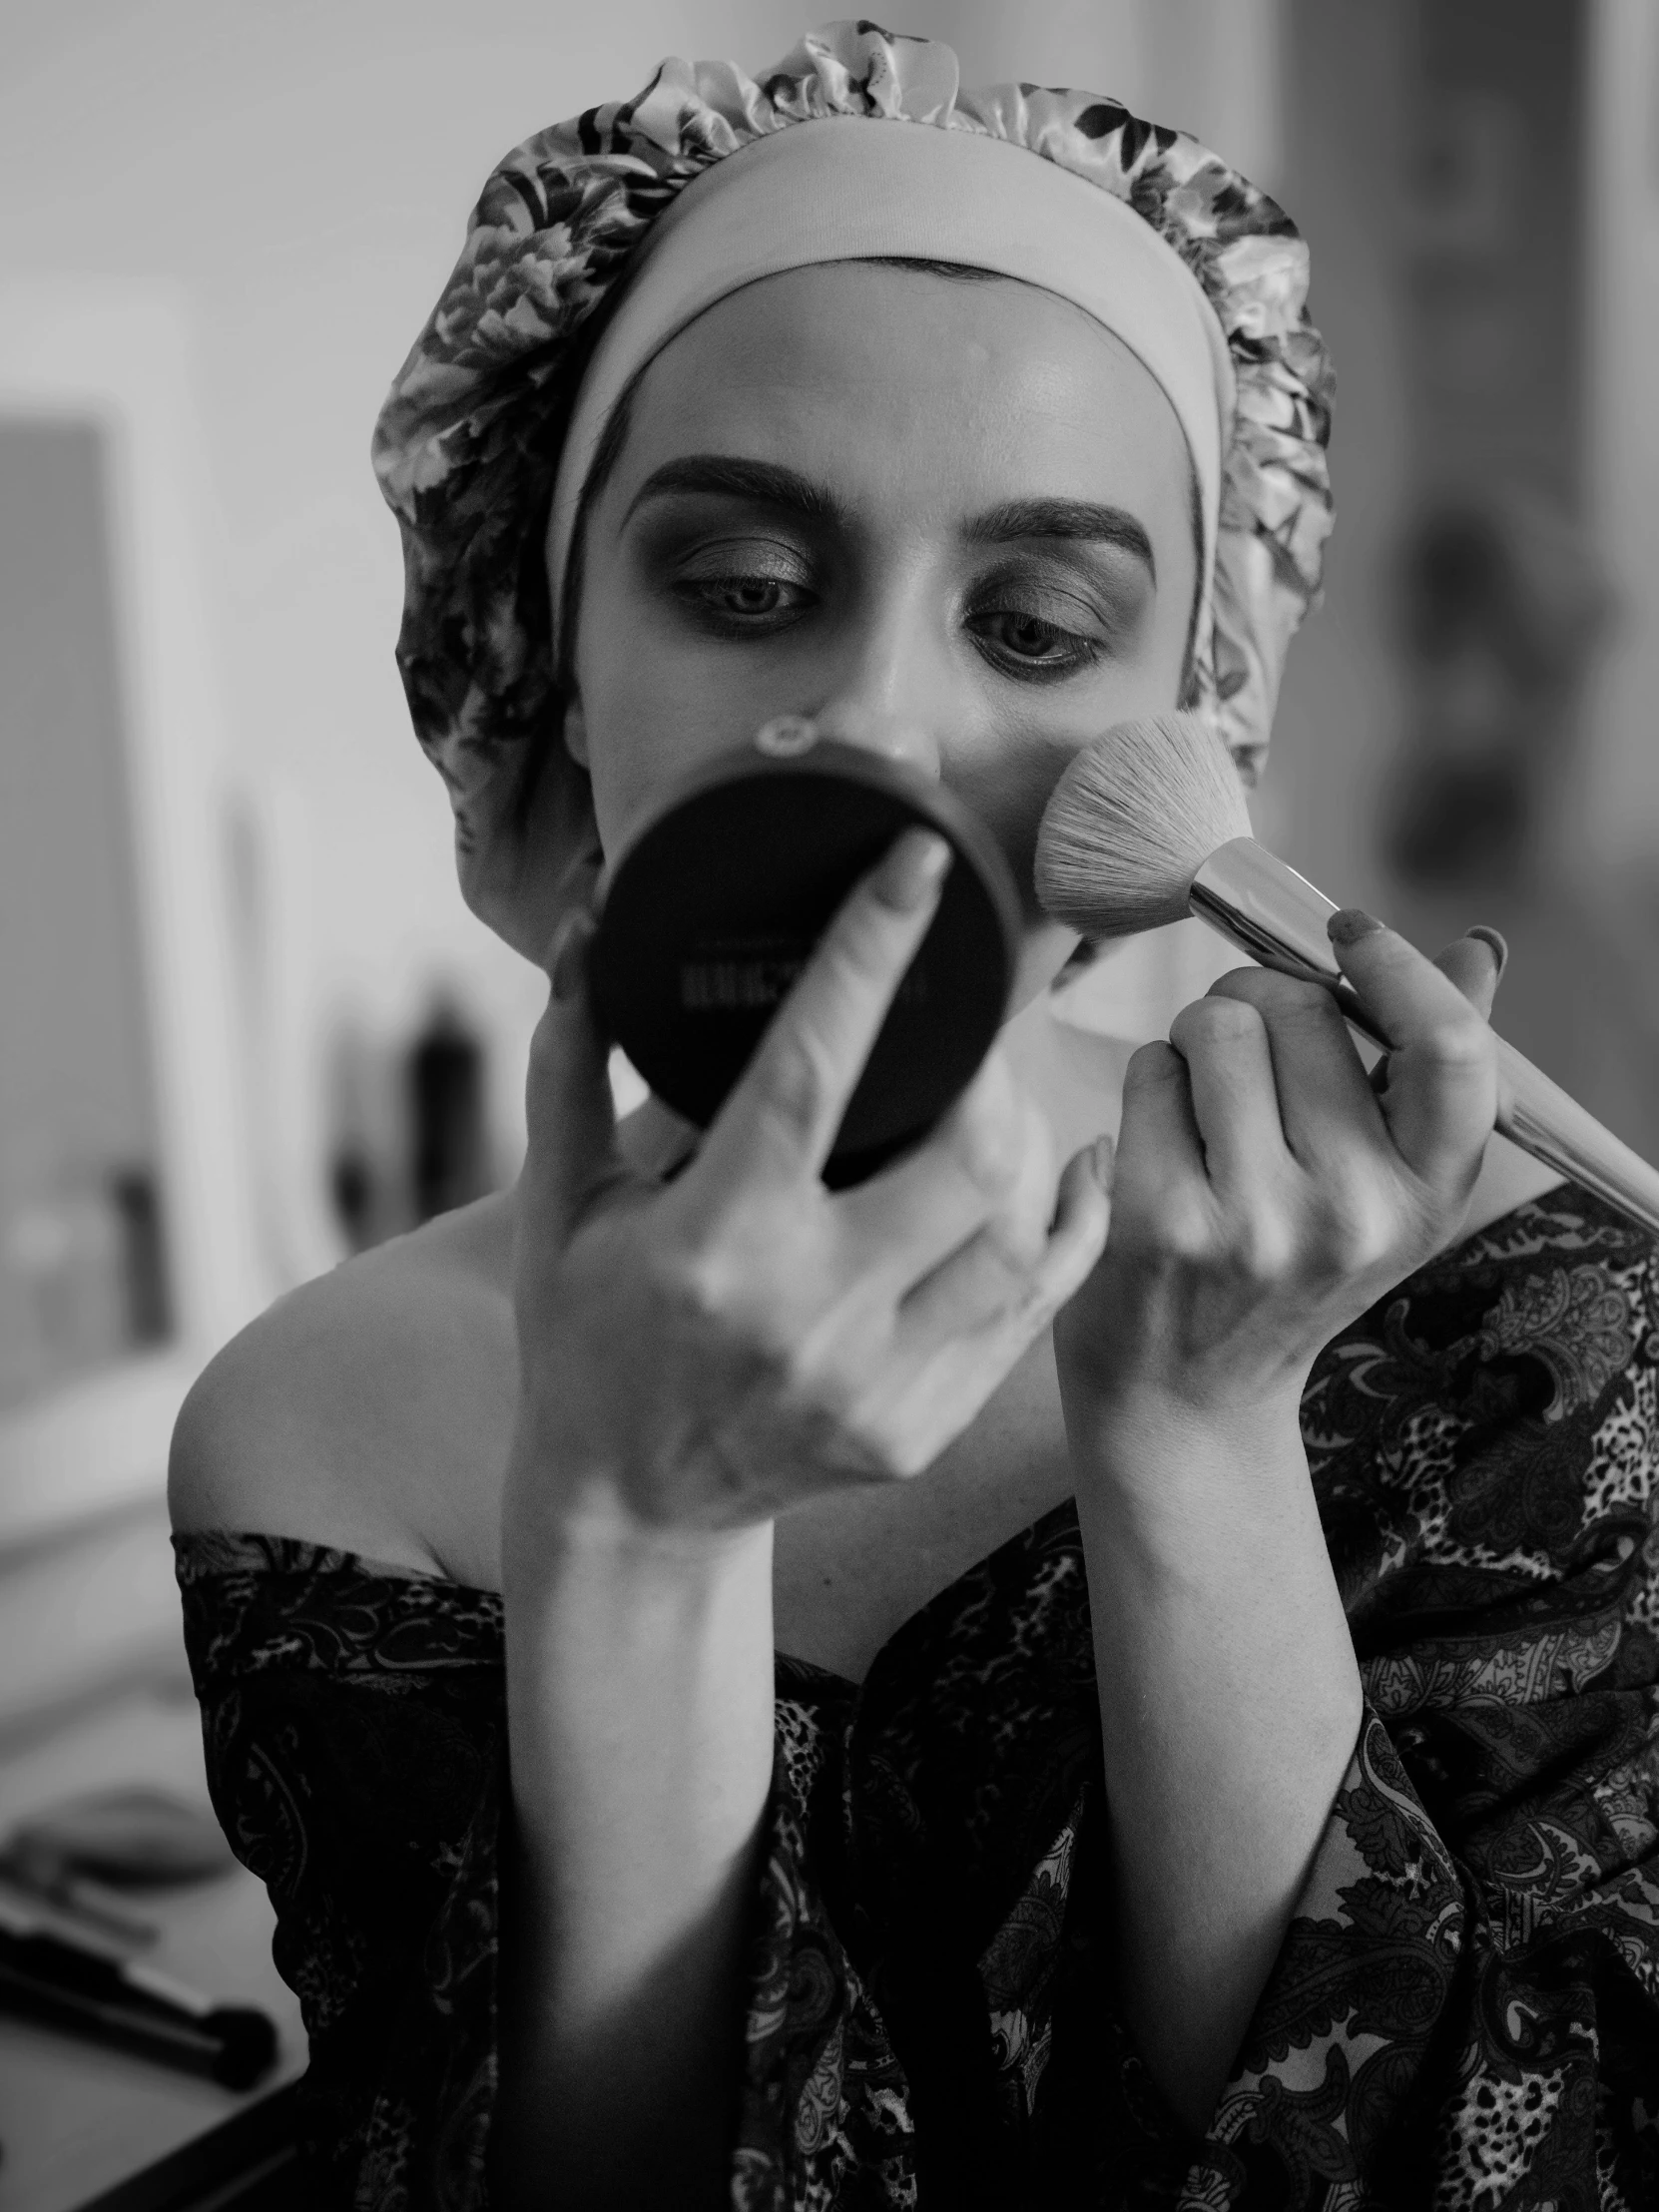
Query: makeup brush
(1148, 824)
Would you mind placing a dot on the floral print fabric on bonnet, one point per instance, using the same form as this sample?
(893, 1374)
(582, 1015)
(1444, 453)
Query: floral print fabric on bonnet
(467, 445)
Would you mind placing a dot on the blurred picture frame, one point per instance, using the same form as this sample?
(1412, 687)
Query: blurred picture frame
(113, 359)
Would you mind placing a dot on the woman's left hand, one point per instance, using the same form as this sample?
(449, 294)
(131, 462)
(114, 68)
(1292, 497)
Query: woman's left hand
(1266, 1192)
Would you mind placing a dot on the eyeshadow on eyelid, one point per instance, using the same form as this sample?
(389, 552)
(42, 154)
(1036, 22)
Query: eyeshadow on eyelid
(708, 563)
(1125, 569)
(680, 522)
(1118, 590)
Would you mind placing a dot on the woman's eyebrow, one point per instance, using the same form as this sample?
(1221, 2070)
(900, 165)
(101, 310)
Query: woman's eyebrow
(766, 483)
(1062, 518)
(770, 483)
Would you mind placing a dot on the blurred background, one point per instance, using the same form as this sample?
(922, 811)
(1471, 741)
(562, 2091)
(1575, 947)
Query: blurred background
(246, 1023)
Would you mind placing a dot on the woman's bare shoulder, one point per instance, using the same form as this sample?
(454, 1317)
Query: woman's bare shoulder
(371, 1407)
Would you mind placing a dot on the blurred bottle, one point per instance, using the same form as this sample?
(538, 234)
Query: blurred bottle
(85, 1276)
(364, 1140)
(444, 1085)
(145, 1286)
(65, 1245)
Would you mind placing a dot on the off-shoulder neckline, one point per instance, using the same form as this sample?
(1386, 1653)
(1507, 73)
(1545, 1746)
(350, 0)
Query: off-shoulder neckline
(260, 1553)
(207, 1554)
(257, 1550)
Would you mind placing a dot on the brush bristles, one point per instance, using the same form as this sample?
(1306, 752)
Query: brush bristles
(1132, 821)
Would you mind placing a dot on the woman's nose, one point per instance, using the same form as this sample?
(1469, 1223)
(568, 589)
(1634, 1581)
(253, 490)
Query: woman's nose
(891, 671)
(899, 737)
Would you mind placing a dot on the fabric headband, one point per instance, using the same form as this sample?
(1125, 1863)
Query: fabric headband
(810, 195)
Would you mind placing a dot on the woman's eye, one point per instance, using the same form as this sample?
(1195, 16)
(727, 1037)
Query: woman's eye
(745, 595)
(1028, 637)
(743, 603)
(1031, 642)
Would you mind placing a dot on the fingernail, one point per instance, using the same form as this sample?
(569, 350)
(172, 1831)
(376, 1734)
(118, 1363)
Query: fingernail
(1103, 1154)
(1350, 924)
(1493, 938)
(569, 956)
(913, 870)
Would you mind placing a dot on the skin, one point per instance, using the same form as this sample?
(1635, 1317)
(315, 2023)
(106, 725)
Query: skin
(682, 1423)
(988, 662)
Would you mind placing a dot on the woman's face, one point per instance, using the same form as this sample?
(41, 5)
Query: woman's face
(950, 521)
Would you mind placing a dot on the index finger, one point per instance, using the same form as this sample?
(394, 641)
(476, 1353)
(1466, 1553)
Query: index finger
(784, 1111)
(1442, 1095)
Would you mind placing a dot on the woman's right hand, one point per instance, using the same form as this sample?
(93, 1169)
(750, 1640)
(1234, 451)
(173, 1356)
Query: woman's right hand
(700, 1356)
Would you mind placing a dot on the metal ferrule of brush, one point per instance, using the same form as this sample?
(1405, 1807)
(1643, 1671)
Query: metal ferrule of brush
(1279, 919)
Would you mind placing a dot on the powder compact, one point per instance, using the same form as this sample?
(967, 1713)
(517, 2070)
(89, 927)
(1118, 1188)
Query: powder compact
(715, 903)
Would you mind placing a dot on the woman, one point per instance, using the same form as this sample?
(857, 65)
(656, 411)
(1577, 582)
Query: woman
(729, 1702)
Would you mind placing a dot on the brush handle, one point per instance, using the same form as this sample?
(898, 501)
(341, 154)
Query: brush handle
(1279, 919)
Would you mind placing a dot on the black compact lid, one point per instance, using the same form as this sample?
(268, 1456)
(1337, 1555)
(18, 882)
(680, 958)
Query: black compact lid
(715, 903)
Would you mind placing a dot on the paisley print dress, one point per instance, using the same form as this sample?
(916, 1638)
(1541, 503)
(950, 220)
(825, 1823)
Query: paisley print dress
(1465, 2009)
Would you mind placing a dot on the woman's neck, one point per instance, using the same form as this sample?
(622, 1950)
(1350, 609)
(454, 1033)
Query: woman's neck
(1074, 1074)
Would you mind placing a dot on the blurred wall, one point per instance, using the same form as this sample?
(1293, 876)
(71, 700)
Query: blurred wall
(1342, 703)
(75, 1095)
(1480, 185)
(1620, 803)
(298, 176)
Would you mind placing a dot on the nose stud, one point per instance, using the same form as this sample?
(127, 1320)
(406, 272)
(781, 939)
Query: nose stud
(786, 737)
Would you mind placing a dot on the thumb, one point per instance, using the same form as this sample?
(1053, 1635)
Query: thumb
(568, 1109)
